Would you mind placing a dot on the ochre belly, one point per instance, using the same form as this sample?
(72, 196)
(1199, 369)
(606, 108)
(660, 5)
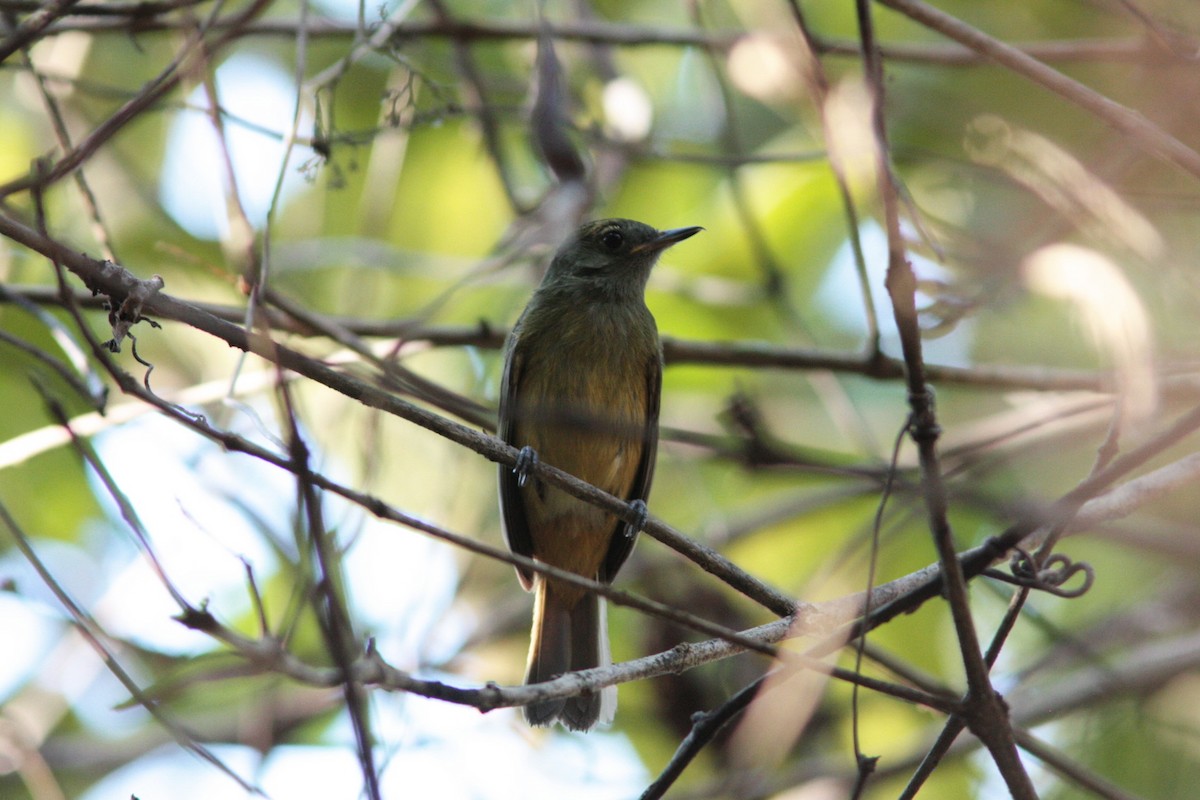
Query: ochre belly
(588, 422)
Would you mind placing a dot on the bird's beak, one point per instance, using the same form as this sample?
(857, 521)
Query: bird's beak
(666, 238)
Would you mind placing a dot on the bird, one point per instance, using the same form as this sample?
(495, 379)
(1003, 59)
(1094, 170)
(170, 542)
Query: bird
(580, 390)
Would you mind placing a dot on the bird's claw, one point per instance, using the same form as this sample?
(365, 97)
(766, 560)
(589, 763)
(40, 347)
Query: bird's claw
(638, 507)
(527, 460)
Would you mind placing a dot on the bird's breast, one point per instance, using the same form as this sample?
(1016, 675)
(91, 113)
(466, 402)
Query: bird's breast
(584, 392)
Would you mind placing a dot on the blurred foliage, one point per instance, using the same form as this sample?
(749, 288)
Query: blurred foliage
(415, 199)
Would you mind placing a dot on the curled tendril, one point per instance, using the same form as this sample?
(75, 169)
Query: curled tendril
(1050, 576)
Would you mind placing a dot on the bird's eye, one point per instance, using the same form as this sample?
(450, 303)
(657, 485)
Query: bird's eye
(612, 240)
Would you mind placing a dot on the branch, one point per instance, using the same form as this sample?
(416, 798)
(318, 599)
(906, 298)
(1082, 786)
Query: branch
(750, 354)
(269, 653)
(329, 596)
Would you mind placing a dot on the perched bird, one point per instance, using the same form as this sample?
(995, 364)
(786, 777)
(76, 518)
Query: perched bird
(581, 387)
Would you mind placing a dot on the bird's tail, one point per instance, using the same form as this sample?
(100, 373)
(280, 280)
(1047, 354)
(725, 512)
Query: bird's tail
(565, 638)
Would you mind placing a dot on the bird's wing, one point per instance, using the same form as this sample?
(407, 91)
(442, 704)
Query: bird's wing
(621, 543)
(512, 506)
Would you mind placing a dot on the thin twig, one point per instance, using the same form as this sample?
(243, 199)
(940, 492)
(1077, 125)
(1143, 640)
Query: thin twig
(330, 599)
(750, 354)
(704, 727)
(819, 87)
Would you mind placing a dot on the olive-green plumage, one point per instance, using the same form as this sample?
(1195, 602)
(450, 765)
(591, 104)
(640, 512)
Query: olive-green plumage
(582, 379)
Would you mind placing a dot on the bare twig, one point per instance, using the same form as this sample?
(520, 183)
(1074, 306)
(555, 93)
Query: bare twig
(751, 354)
(814, 71)
(330, 597)
(704, 728)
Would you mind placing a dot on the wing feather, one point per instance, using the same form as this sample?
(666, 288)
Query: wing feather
(621, 543)
(512, 506)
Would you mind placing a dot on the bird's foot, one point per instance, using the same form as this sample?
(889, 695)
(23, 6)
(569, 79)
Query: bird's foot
(638, 507)
(527, 460)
